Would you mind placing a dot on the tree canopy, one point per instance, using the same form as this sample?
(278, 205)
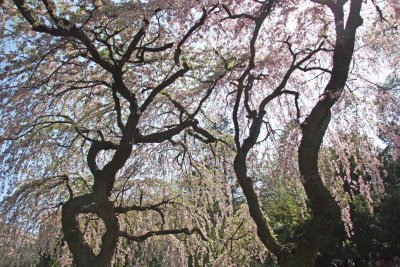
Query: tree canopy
(134, 130)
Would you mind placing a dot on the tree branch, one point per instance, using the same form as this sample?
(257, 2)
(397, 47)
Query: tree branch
(162, 86)
(196, 26)
(141, 238)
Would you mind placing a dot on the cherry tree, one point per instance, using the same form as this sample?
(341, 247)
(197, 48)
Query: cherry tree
(88, 101)
(125, 121)
(275, 73)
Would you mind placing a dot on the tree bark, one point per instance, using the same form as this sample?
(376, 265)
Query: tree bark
(80, 249)
(325, 210)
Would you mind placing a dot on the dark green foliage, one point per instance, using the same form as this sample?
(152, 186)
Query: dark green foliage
(376, 235)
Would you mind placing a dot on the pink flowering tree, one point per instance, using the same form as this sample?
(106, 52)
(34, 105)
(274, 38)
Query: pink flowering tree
(122, 120)
(91, 90)
(301, 57)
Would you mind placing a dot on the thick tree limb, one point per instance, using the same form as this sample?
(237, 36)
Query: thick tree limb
(147, 235)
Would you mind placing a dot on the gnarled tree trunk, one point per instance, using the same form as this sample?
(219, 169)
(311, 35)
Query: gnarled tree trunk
(325, 212)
